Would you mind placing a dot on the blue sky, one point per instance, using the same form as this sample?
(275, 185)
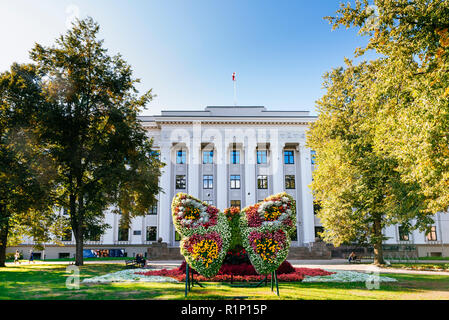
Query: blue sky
(186, 50)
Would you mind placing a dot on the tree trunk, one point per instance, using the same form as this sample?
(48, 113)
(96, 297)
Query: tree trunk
(378, 251)
(79, 239)
(77, 228)
(3, 241)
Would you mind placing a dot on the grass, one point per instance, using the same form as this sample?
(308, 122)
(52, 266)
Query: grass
(73, 259)
(30, 282)
(433, 258)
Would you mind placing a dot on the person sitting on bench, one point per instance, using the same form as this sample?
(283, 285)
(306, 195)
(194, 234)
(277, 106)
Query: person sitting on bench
(140, 260)
(352, 257)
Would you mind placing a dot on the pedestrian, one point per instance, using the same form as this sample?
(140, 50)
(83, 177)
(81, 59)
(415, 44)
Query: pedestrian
(31, 256)
(16, 257)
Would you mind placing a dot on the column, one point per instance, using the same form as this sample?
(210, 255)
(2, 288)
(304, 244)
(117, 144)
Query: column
(222, 180)
(194, 161)
(277, 166)
(250, 173)
(306, 195)
(165, 195)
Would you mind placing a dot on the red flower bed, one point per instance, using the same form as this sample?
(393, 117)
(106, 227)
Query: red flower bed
(241, 273)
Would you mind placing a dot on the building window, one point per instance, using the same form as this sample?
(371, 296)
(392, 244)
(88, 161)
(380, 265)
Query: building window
(156, 154)
(312, 156)
(123, 234)
(316, 207)
(261, 156)
(262, 182)
(180, 157)
(153, 210)
(235, 182)
(289, 157)
(318, 232)
(294, 235)
(235, 157)
(151, 233)
(432, 235)
(290, 182)
(67, 235)
(208, 182)
(235, 203)
(208, 157)
(180, 182)
(403, 234)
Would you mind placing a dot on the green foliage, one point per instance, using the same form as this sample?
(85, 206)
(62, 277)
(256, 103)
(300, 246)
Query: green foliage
(26, 172)
(411, 87)
(88, 125)
(233, 216)
(381, 136)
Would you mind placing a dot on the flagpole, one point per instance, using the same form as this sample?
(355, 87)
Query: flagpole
(235, 95)
(235, 89)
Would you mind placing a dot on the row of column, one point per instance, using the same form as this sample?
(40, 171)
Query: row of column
(304, 205)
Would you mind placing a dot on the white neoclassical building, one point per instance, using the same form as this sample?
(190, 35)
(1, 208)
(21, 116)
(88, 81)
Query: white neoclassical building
(231, 156)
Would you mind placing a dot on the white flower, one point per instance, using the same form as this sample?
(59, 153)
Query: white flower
(346, 276)
(129, 275)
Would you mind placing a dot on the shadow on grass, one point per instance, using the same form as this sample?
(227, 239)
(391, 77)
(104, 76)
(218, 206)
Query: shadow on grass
(49, 282)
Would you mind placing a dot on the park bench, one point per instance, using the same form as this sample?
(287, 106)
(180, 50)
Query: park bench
(358, 259)
(134, 263)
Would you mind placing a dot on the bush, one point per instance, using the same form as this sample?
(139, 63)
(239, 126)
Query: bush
(10, 256)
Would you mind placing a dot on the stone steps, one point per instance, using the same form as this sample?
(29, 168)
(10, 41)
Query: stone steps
(314, 252)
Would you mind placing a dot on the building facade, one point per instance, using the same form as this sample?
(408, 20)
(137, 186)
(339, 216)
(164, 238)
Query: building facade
(230, 156)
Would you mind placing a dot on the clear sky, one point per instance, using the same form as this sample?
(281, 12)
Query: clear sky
(187, 50)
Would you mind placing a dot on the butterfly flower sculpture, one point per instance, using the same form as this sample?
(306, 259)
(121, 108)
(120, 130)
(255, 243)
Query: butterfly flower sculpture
(264, 228)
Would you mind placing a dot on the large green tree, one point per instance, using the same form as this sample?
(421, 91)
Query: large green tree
(412, 40)
(359, 188)
(90, 128)
(26, 173)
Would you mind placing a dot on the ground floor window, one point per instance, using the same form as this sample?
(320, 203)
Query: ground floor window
(123, 234)
(432, 235)
(180, 182)
(318, 231)
(67, 236)
(151, 233)
(290, 182)
(294, 235)
(235, 203)
(262, 182)
(403, 234)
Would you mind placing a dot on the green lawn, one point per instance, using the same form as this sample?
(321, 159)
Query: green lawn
(48, 282)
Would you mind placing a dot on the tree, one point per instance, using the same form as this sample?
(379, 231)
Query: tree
(412, 38)
(359, 189)
(89, 126)
(26, 175)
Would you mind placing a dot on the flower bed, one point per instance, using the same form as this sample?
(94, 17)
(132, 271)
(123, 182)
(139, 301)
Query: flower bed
(129, 275)
(265, 231)
(347, 276)
(205, 233)
(242, 273)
